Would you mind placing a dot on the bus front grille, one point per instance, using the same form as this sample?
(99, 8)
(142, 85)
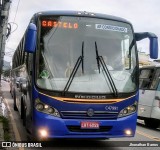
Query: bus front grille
(78, 129)
(84, 115)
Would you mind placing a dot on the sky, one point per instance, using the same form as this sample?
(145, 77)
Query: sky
(144, 15)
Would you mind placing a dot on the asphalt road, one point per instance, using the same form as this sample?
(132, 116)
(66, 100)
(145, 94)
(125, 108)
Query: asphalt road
(144, 135)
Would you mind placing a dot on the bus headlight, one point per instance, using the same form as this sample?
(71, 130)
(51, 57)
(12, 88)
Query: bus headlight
(128, 110)
(40, 106)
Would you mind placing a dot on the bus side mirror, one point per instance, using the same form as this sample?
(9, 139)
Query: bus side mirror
(153, 48)
(30, 39)
(153, 42)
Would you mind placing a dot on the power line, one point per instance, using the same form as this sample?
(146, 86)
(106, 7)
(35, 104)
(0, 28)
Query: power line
(16, 11)
(10, 48)
(11, 4)
(14, 20)
(12, 26)
(9, 52)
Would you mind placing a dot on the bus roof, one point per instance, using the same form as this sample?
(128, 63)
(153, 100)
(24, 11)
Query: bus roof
(82, 14)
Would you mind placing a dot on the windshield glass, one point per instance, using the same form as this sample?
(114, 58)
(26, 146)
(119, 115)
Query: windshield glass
(68, 44)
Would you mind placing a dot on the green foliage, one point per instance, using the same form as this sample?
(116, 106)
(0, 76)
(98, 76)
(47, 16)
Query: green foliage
(5, 128)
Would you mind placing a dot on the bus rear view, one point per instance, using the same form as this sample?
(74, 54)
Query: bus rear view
(84, 76)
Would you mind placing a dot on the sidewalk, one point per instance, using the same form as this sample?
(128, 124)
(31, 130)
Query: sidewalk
(6, 130)
(1, 114)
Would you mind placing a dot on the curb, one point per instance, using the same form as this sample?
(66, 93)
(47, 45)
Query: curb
(1, 123)
(1, 132)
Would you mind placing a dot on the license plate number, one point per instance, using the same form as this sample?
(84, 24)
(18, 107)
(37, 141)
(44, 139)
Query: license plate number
(89, 125)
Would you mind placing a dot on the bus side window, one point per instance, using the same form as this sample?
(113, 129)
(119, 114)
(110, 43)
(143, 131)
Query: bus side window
(155, 80)
(146, 78)
(29, 64)
(144, 83)
(158, 88)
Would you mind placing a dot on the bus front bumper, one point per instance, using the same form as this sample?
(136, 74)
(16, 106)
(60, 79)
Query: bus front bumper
(47, 126)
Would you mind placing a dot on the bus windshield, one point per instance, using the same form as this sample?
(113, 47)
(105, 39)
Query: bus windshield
(67, 55)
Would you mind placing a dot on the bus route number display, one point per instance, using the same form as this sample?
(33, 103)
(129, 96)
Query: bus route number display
(59, 24)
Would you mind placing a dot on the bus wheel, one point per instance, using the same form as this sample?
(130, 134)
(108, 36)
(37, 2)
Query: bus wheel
(14, 104)
(30, 138)
(24, 116)
(22, 110)
(11, 95)
(151, 123)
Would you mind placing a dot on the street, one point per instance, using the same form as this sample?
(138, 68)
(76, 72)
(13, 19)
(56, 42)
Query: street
(143, 134)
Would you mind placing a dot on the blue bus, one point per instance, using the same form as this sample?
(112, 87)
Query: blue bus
(75, 75)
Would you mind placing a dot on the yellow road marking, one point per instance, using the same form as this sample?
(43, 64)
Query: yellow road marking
(148, 136)
(17, 135)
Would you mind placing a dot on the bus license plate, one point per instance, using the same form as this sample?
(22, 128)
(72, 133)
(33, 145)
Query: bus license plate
(89, 125)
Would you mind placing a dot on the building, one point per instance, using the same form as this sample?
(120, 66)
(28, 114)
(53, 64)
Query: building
(4, 13)
(144, 59)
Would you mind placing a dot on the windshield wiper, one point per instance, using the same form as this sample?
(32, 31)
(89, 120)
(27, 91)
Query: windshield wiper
(101, 60)
(73, 73)
(97, 57)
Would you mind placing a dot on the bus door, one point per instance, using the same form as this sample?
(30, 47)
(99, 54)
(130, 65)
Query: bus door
(156, 103)
(146, 92)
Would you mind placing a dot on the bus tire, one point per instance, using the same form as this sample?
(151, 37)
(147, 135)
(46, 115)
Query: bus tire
(30, 138)
(22, 109)
(14, 103)
(24, 116)
(151, 123)
(11, 95)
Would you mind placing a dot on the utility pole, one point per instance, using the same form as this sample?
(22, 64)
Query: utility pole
(4, 13)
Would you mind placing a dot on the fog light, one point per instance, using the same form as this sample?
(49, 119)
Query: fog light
(43, 133)
(128, 132)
